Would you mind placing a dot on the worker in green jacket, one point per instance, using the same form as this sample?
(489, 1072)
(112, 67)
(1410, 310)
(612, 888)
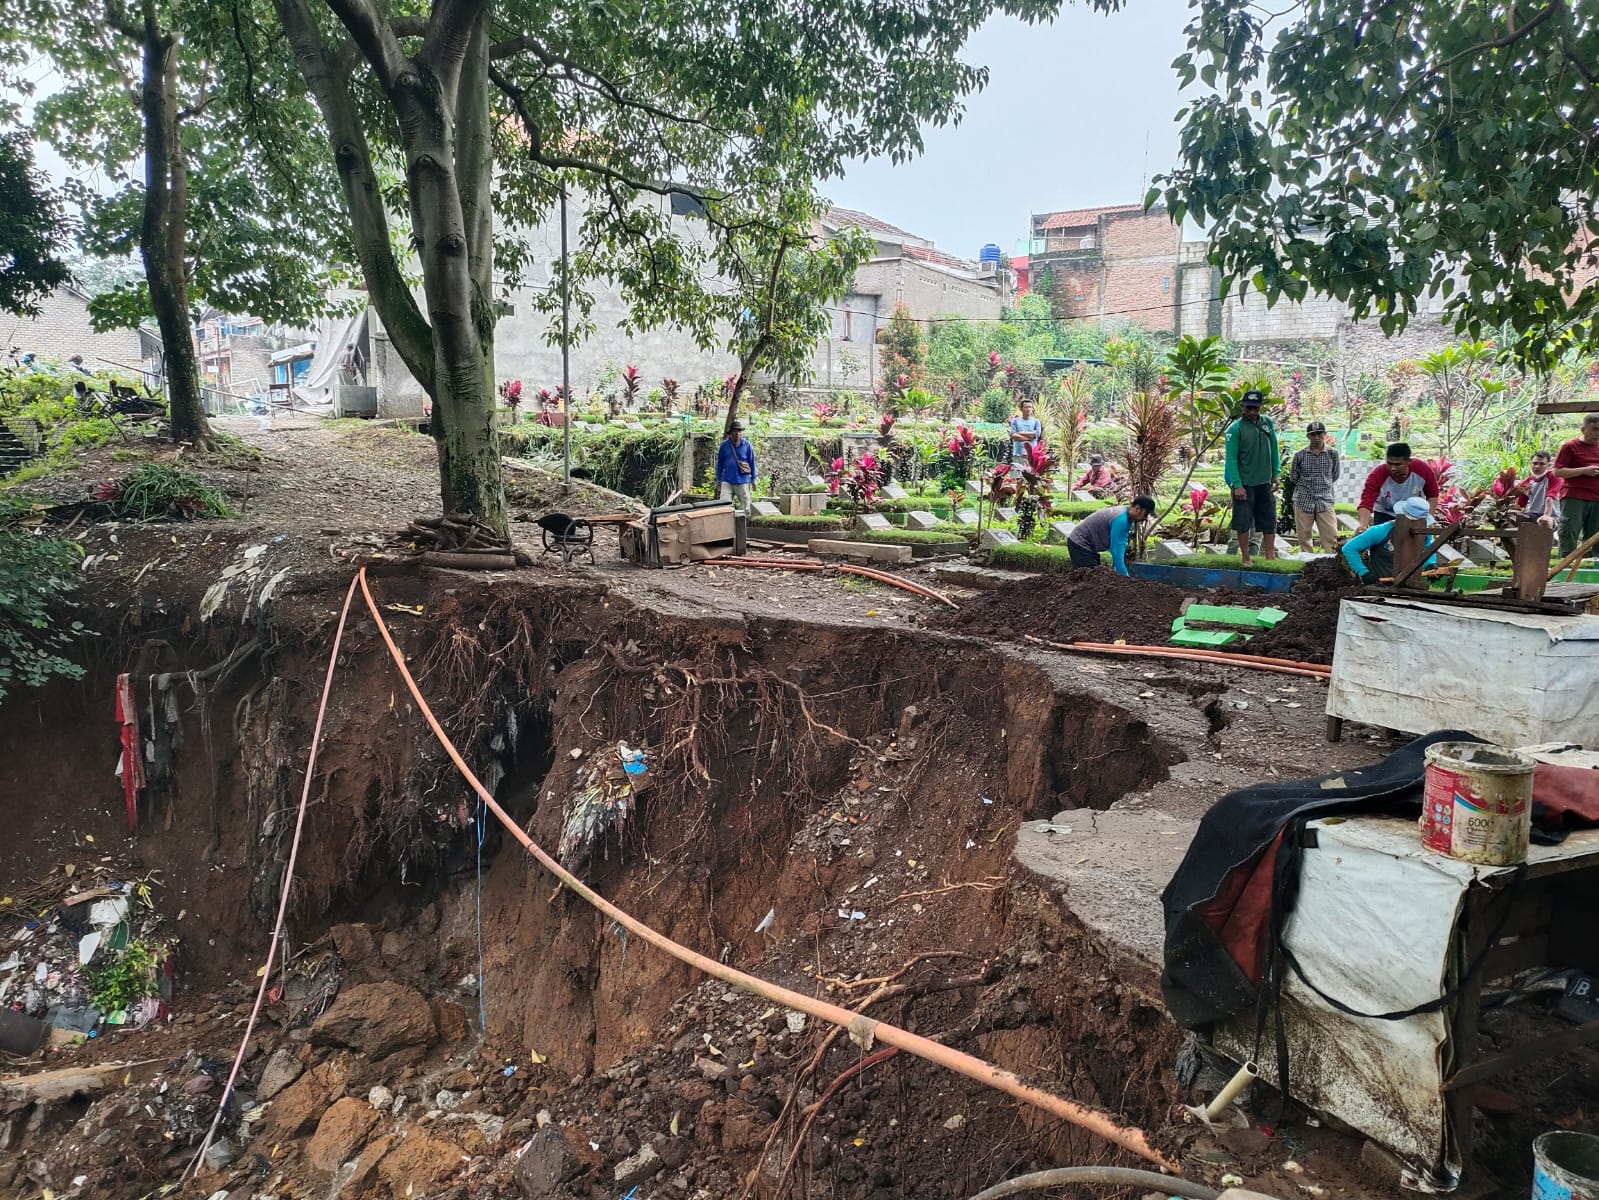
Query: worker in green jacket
(1251, 471)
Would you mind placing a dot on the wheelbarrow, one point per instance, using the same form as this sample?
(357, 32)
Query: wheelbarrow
(567, 536)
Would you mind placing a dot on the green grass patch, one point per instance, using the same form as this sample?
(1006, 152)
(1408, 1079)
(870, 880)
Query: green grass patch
(1030, 556)
(1231, 562)
(159, 493)
(908, 537)
(821, 524)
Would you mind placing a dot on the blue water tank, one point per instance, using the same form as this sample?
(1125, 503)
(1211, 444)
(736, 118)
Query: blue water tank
(989, 253)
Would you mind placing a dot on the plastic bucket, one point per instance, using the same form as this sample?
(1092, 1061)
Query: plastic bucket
(1477, 804)
(1565, 1166)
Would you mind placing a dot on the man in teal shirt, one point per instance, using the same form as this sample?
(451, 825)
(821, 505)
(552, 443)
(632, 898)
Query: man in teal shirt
(1251, 471)
(1108, 529)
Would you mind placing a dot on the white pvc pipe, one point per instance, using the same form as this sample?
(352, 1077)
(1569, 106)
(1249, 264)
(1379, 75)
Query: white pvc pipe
(1228, 1094)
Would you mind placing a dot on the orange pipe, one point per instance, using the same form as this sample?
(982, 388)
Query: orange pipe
(1176, 653)
(863, 1030)
(1222, 656)
(896, 581)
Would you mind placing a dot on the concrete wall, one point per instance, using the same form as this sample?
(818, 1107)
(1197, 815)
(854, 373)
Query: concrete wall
(62, 329)
(1246, 318)
(1364, 348)
(1141, 268)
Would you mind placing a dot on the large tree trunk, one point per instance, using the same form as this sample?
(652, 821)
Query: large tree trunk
(164, 234)
(452, 211)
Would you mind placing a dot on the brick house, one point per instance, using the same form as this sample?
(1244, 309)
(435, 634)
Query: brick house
(63, 329)
(1111, 263)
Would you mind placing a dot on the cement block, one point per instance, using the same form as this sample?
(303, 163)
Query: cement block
(1448, 556)
(765, 508)
(1059, 531)
(867, 550)
(873, 523)
(973, 488)
(1084, 495)
(1005, 513)
(816, 481)
(803, 504)
(1168, 550)
(1348, 523)
(990, 538)
(966, 516)
(1484, 552)
(920, 520)
(894, 492)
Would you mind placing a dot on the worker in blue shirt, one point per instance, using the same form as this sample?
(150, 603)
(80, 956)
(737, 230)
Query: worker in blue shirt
(735, 468)
(1108, 529)
(1416, 508)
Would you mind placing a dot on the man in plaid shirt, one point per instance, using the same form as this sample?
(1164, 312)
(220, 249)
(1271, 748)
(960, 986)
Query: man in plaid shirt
(1312, 473)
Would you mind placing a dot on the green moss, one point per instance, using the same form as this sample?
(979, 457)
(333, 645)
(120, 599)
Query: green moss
(1030, 556)
(907, 537)
(1231, 562)
(821, 524)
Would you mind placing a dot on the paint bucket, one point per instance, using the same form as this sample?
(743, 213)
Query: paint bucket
(1565, 1166)
(1477, 803)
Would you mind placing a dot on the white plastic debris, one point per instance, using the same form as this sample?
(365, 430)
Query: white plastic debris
(851, 914)
(796, 1022)
(766, 921)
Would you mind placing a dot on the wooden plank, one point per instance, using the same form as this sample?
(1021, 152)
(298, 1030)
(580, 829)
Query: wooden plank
(1566, 406)
(1522, 1054)
(1530, 559)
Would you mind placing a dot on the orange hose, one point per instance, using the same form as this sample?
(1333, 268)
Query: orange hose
(1219, 656)
(896, 581)
(863, 1030)
(1176, 653)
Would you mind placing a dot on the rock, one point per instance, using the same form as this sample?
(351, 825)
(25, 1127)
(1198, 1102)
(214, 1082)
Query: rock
(1245, 1142)
(282, 1069)
(360, 1179)
(694, 1092)
(377, 1019)
(446, 1100)
(344, 1128)
(303, 1102)
(621, 1146)
(710, 1069)
(353, 942)
(418, 1164)
(218, 1154)
(638, 1167)
(547, 1163)
(459, 1081)
(920, 520)
(396, 948)
(955, 1122)
(744, 1126)
(450, 1018)
(380, 1098)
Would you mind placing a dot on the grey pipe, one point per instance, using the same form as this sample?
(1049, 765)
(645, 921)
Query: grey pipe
(1169, 1185)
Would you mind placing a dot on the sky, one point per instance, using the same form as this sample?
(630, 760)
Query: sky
(1076, 114)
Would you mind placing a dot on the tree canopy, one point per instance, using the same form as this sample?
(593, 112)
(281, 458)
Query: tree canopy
(1386, 153)
(33, 231)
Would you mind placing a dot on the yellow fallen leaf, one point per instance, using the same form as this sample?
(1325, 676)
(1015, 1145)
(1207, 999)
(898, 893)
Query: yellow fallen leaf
(745, 1066)
(5, 901)
(712, 1050)
(538, 1059)
(674, 1123)
(49, 1195)
(260, 971)
(127, 1079)
(872, 612)
(860, 1141)
(88, 837)
(69, 869)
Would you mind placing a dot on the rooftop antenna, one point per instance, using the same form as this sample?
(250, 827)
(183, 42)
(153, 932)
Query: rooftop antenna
(1143, 180)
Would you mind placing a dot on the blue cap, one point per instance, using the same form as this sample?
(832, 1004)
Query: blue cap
(1414, 507)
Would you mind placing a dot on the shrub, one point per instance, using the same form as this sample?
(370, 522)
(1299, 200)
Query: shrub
(159, 493)
(36, 573)
(995, 407)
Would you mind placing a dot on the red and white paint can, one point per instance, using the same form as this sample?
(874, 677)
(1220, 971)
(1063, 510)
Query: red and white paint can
(1477, 803)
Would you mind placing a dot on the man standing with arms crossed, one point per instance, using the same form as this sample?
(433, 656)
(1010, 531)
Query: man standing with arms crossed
(1251, 471)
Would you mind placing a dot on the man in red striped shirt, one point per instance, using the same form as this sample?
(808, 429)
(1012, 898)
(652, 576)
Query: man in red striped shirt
(1398, 479)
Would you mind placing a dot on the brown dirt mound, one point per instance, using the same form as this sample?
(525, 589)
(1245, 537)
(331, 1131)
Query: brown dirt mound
(1308, 631)
(1090, 606)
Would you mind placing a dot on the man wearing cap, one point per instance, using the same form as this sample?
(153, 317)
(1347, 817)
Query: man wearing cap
(1312, 473)
(1373, 541)
(735, 468)
(1251, 471)
(1108, 529)
(1399, 478)
(1098, 475)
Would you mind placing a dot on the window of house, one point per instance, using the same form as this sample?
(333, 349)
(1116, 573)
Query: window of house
(503, 308)
(1165, 283)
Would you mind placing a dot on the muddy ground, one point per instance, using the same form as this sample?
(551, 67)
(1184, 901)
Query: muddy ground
(833, 794)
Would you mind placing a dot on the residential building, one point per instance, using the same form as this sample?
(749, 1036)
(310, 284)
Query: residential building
(62, 329)
(903, 269)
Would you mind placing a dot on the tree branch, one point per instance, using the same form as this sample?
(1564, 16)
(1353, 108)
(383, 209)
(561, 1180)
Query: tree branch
(585, 77)
(328, 79)
(376, 40)
(448, 31)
